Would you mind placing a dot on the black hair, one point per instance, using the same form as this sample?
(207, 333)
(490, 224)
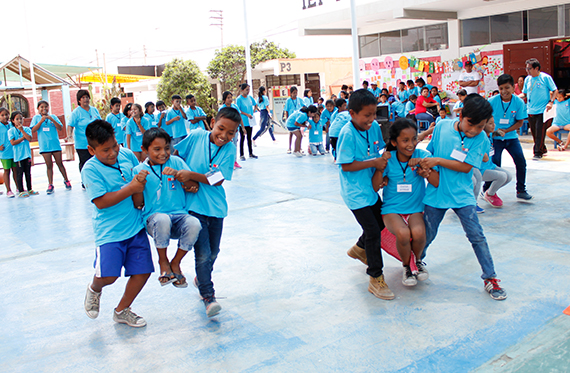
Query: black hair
(306, 92)
(126, 109)
(155, 133)
(225, 96)
(243, 86)
(344, 87)
(522, 76)
(496, 92)
(564, 92)
(365, 82)
(99, 132)
(361, 98)
(140, 109)
(115, 101)
(339, 102)
(345, 93)
(147, 105)
(42, 102)
(160, 103)
(260, 94)
(442, 108)
(14, 114)
(476, 108)
(189, 96)
(396, 128)
(402, 82)
(462, 92)
(2, 109)
(413, 97)
(229, 113)
(421, 80)
(533, 62)
(320, 99)
(384, 95)
(434, 87)
(424, 88)
(385, 89)
(309, 109)
(176, 97)
(293, 89)
(409, 81)
(504, 79)
(81, 93)
(329, 102)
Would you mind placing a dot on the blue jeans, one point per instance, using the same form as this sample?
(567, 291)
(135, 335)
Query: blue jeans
(264, 116)
(163, 227)
(318, 147)
(468, 217)
(206, 250)
(513, 146)
(425, 116)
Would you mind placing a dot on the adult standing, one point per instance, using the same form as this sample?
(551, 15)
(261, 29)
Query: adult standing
(469, 79)
(539, 90)
(80, 118)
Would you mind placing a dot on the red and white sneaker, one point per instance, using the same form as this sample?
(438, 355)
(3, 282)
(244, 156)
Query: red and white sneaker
(495, 201)
(236, 165)
(495, 291)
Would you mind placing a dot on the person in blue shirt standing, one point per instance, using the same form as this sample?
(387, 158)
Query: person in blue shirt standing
(402, 93)
(227, 101)
(263, 106)
(136, 127)
(360, 170)
(247, 107)
(196, 116)
(540, 91)
(116, 194)
(292, 105)
(175, 124)
(160, 117)
(6, 151)
(338, 121)
(115, 117)
(47, 126)
(308, 98)
(127, 114)
(210, 156)
(327, 115)
(149, 113)
(20, 137)
(80, 118)
(458, 146)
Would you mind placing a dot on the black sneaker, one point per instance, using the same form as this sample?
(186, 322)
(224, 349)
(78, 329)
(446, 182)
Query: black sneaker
(408, 278)
(495, 291)
(253, 156)
(212, 307)
(523, 196)
(422, 273)
(537, 157)
(242, 158)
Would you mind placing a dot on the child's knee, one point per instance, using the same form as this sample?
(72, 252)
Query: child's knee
(418, 232)
(403, 235)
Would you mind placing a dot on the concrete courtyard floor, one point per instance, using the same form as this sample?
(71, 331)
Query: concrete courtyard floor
(292, 300)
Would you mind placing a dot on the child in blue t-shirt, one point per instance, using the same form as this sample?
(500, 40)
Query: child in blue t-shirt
(115, 118)
(297, 121)
(292, 105)
(120, 237)
(6, 151)
(160, 117)
(561, 120)
(127, 114)
(196, 116)
(442, 115)
(20, 137)
(149, 113)
(403, 194)
(81, 116)
(410, 109)
(47, 126)
(165, 215)
(338, 120)
(458, 146)
(402, 93)
(175, 124)
(315, 127)
(227, 101)
(136, 127)
(210, 156)
(247, 106)
(461, 95)
(360, 171)
(327, 116)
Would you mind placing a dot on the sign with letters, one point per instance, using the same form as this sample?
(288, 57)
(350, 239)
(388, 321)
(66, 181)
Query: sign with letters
(307, 4)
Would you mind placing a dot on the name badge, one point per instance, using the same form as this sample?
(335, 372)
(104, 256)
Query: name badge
(316, 133)
(492, 152)
(458, 155)
(138, 134)
(504, 121)
(404, 188)
(214, 176)
(45, 129)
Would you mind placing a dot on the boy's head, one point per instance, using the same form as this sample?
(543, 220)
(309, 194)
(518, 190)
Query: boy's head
(340, 104)
(176, 101)
(468, 66)
(156, 143)
(101, 141)
(442, 113)
(495, 92)
(329, 105)
(425, 91)
(383, 98)
(506, 85)
(190, 100)
(474, 115)
(115, 105)
(420, 82)
(160, 105)
(374, 85)
(362, 107)
(344, 87)
(317, 117)
(410, 83)
(462, 94)
(43, 107)
(402, 86)
(83, 97)
(224, 126)
(413, 98)
(434, 91)
(365, 84)
(320, 100)
(490, 126)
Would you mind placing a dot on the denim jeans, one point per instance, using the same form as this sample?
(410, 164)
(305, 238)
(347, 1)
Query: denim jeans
(206, 251)
(370, 219)
(264, 117)
(163, 227)
(318, 147)
(513, 146)
(468, 217)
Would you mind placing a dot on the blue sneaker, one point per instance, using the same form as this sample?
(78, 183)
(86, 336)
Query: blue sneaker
(479, 210)
(495, 291)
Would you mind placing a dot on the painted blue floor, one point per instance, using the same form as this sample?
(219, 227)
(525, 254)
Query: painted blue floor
(292, 300)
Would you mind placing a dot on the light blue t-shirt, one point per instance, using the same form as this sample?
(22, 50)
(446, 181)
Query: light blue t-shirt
(245, 105)
(353, 145)
(48, 138)
(80, 118)
(339, 122)
(489, 165)
(437, 99)
(157, 119)
(455, 188)
(307, 101)
(22, 150)
(409, 107)
(439, 119)
(115, 120)
(376, 92)
(177, 128)
(163, 193)
(403, 202)
(292, 106)
(316, 131)
(264, 104)
(121, 221)
(193, 113)
(562, 117)
(298, 117)
(414, 91)
(8, 152)
(201, 155)
(403, 95)
(233, 105)
(458, 105)
(136, 134)
(151, 119)
(537, 91)
(328, 115)
(512, 111)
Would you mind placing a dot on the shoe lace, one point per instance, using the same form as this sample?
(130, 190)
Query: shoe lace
(130, 315)
(421, 265)
(494, 282)
(95, 299)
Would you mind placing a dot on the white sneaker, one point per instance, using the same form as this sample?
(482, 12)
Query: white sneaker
(408, 278)
(422, 273)
(92, 301)
(297, 154)
(128, 317)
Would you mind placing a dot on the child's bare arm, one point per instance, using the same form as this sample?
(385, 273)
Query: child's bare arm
(113, 198)
(377, 163)
(447, 163)
(138, 200)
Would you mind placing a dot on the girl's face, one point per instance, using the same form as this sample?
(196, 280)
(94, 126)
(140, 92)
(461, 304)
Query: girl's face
(136, 111)
(245, 91)
(311, 115)
(520, 82)
(310, 93)
(406, 142)
(130, 112)
(293, 94)
(560, 97)
(43, 109)
(229, 100)
(4, 116)
(490, 126)
(150, 109)
(330, 107)
(433, 92)
(161, 108)
(18, 120)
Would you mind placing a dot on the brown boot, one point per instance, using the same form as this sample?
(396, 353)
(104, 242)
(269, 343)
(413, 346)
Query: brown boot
(357, 252)
(379, 288)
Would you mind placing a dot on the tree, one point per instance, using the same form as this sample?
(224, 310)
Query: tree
(183, 77)
(228, 65)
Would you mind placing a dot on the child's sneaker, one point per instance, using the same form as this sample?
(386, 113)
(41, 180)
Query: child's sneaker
(33, 193)
(212, 307)
(523, 196)
(356, 252)
(479, 210)
(242, 158)
(422, 274)
(494, 290)
(236, 165)
(23, 195)
(67, 184)
(288, 151)
(92, 300)
(379, 288)
(10, 194)
(298, 154)
(408, 278)
(495, 201)
(50, 189)
(128, 317)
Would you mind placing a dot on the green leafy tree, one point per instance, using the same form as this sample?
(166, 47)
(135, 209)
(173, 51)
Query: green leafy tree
(228, 65)
(183, 77)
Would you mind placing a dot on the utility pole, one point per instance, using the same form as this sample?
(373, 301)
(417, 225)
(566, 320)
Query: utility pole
(217, 18)
(144, 52)
(247, 51)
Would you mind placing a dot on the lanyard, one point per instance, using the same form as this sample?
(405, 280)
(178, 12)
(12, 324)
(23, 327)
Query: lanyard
(507, 109)
(462, 136)
(118, 168)
(403, 169)
(365, 138)
(210, 153)
(154, 172)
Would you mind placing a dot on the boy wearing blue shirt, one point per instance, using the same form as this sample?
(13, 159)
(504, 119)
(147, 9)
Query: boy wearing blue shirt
(6, 151)
(211, 157)
(338, 120)
(315, 128)
(457, 147)
(442, 115)
(509, 112)
(360, 169)
(175, 121)
(115, 117)
(402, 94)
(196, 116)
(412, 89)
(375, 90)
(164, 214)
(327, 115)
(120, 237)
(80, 118)
(160, 117)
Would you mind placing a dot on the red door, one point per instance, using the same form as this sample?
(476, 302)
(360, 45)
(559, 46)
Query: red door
(515, 55)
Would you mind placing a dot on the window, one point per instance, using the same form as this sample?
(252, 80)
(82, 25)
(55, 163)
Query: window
(390, 42)
(282, 80)
(436, 37)
(369, 45)
(475, 31)
(413, 39)
(18, 103)
(506, 27)
(543, 22)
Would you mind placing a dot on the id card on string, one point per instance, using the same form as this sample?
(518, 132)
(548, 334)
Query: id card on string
(458, 155)
(492, 152)
(404, 188)
(46, 129)
(214, 176)
(504, 121)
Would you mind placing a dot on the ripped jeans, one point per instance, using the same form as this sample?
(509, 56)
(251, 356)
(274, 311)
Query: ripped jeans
(473, 230)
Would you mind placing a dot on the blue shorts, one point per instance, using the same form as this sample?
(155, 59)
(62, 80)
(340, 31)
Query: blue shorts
(293, 129)
(133, 254)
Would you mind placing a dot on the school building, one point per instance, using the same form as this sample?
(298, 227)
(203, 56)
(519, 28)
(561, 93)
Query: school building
(433, 38)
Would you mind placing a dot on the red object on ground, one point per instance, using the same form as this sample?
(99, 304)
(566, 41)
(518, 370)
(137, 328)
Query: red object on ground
(388, 244)
(567, 311)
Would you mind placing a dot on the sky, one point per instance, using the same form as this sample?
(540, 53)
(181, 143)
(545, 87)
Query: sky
(117, 32)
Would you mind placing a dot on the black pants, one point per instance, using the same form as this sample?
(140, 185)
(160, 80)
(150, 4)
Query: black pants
(538, 129)
(24, 167)
(370, 219)
(84, 156)
(248, 131)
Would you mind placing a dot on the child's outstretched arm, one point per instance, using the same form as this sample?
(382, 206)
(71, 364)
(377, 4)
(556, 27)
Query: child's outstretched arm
(378, 180)
(377, 163)
(184, 176)
(112, 198)
(447, 163)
